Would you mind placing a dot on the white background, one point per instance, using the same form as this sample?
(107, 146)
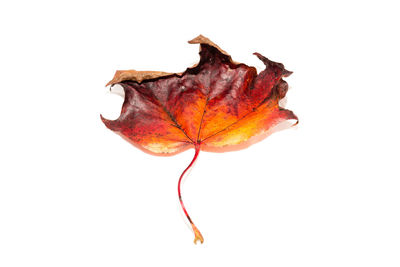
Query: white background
(73, 193)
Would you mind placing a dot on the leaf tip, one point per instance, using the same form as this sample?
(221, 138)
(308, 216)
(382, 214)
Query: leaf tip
(267, 62)
(286, 73)
(112, 125)
(202, 40)
(289, 115)
(136, 76)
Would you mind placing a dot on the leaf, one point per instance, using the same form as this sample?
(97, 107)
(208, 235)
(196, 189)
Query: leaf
(212, 106)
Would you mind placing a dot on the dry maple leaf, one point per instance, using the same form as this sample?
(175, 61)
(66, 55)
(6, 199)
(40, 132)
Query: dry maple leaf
(213, 105)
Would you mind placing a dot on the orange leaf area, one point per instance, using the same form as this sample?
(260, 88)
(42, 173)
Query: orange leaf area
(214, 105)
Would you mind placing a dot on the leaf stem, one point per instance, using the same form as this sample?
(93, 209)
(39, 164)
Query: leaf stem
(197, 234)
